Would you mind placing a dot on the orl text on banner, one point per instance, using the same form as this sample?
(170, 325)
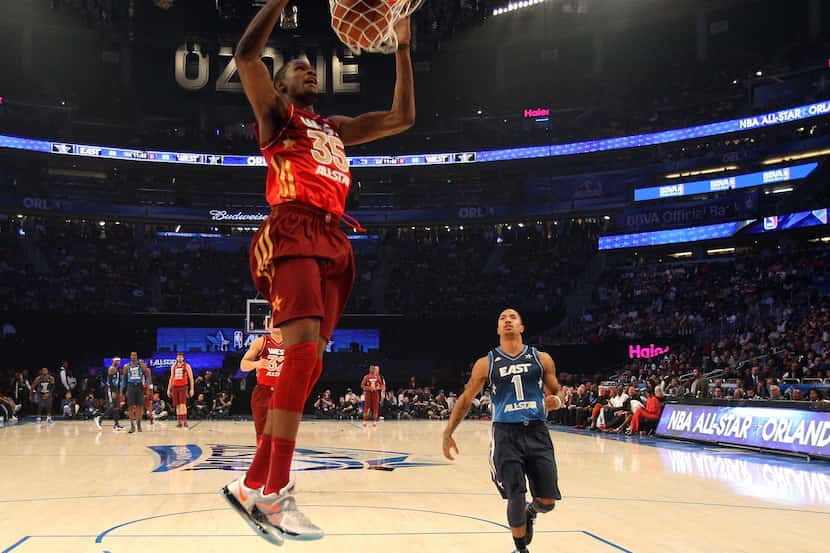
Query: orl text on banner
(790, 430)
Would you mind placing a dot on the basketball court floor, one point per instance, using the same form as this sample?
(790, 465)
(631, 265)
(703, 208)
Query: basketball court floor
(70, 487)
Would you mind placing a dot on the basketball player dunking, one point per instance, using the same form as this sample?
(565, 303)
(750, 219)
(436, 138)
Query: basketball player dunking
(180, 388)
(521, 446)
(300, 259)
(373, 386)
(266, 356)
(114, 379)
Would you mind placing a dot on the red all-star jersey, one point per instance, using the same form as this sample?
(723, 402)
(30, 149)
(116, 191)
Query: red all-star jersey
(307, 163)
(369, 380)
(274, 352)
(179, 374)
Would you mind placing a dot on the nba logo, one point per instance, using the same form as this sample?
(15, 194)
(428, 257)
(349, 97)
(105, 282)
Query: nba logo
(771, 223)
(238, 340)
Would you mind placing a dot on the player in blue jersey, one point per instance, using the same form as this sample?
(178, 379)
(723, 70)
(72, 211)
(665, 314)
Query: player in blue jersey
(135, 376)
(521, 448)
(114, 379)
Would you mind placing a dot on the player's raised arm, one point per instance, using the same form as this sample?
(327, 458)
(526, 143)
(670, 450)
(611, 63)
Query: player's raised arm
(401, 116)
(550, 380)
(266, 102)
(249, 361)
(478, 379)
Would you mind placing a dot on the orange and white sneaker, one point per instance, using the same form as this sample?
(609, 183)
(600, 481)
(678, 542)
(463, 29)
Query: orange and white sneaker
(279, 510)
(243, 499)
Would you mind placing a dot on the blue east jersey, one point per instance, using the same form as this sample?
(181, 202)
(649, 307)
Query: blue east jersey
(517, 386)
(114, 380)
(135, 374)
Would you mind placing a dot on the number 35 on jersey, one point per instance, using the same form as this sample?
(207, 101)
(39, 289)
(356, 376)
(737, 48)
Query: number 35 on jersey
(307, 163)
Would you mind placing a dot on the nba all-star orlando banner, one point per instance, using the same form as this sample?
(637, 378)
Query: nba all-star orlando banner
(790, 430)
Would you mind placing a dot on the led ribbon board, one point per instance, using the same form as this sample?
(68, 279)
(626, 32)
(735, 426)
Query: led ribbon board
(789, 430)
(484, 156)
(801, 219)
(760, 178)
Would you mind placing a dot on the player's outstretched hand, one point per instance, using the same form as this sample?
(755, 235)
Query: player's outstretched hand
(403, 30)
(449, 445)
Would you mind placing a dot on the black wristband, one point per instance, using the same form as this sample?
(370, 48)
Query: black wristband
(403, 46)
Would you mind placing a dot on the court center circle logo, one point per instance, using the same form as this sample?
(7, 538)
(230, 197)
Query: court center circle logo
(239, 458)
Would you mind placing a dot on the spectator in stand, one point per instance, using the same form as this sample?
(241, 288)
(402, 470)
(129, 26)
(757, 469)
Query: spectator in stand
(700, 385)
(651, 412)
(202, 406)
(69, 407)
(159, 407)
(451, 399)
(775, 392)
(345, 408)
(324, 407)
(351, 397)
(406, 408)
(438, 407)
(420, 403)
(579, 408)
(222, 406)
(753, 378)
(717, 392)
(90, 409)
(815, 396)
(484, 404)
(8, 408)
(600, 404)
(21, 390)
(389, 405)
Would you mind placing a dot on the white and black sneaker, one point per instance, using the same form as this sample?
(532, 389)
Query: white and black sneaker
(243, 499)
(97, 420)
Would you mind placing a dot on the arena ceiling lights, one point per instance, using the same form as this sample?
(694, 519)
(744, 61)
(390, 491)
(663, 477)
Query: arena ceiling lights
(513, 6)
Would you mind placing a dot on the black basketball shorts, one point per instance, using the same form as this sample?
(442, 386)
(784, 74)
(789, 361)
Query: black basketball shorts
(135, 395)
(520, 451)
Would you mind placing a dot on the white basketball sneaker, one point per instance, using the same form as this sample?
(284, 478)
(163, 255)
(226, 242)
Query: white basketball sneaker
(280, 511)
(243, 499)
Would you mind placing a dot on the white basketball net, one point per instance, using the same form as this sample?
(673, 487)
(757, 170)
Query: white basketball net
(377, 34)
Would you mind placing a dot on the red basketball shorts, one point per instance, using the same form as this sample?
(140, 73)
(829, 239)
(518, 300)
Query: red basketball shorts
(259, 406)
(303, 263)
(372, 402)
(179, 395)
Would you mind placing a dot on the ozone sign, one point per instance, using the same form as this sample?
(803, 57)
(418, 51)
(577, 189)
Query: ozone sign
(790, 430)
(344, 70)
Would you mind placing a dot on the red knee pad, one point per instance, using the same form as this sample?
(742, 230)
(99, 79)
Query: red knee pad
(292, 387)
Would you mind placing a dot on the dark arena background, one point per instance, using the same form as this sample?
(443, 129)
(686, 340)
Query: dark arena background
(644, 181)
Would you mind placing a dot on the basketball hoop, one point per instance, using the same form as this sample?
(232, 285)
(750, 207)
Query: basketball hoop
(369, 25)
(257, 316)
